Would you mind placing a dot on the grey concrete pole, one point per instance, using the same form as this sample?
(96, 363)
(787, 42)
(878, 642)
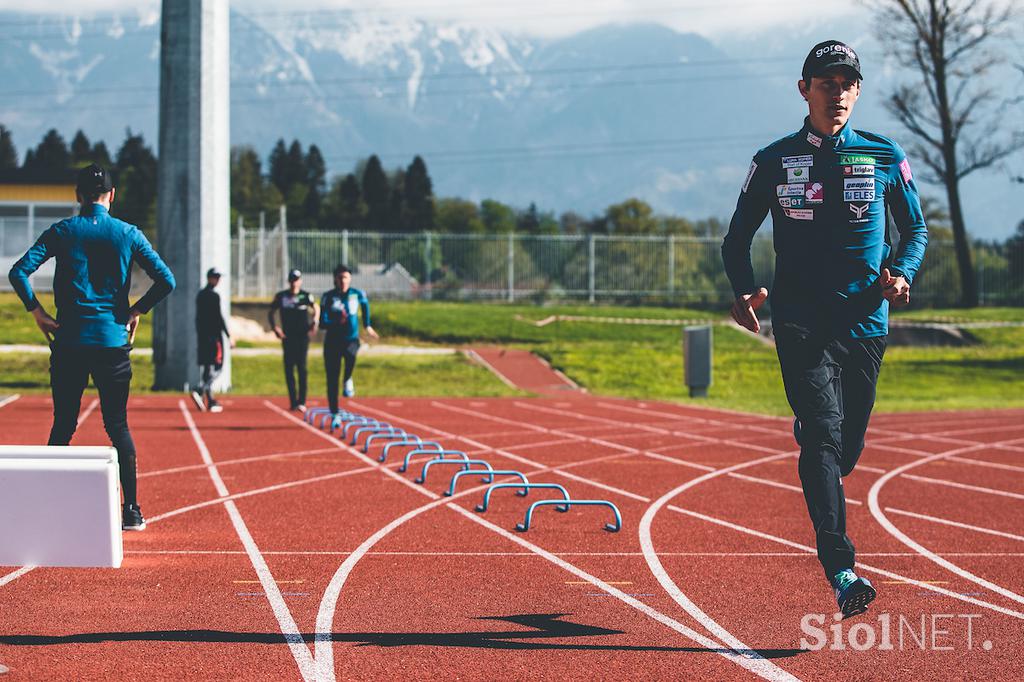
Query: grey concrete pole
(193, 212)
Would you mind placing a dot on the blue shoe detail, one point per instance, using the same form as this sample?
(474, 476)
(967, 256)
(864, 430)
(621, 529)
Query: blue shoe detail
(335, 422)
(853, 593)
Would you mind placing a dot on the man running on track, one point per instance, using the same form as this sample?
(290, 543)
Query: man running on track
(828, 188)
(95, 325)
(339, 317)
(299, 314)
(210, 332)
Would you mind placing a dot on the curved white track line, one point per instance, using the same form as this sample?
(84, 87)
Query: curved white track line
(883, 520)
(323, 647)
(14, 575)
(301, 653)
(9, 399)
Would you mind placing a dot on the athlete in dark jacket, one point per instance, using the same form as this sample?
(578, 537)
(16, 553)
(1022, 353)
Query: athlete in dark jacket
(299, 314)
(828, 188)
(95, 323)
(210, 332)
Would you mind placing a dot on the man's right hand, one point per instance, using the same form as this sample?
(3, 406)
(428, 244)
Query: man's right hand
(278, 332)
(47, 324)
(744, 307)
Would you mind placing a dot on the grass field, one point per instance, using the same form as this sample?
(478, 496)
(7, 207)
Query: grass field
(637, 361)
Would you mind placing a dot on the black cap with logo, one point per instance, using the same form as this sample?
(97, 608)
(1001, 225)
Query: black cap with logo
(827, 55)
(213, 272)
(294, 275)
(93, 180)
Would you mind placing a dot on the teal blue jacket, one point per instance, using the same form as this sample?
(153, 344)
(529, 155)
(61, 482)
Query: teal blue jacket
(828, 197)
(94, 253)
(339, 313)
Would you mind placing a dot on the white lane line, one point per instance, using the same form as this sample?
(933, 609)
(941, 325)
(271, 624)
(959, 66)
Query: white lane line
(242, 460)
(985, 463)
(860, 565)
(740, 654)
(955, 524)
(963, 486)
(296, 552)
(656, 567)
(324, 653)
(883, 520)
(14, 575)
(88, 411)
(476, 357)
(9, 399)
(301, 653)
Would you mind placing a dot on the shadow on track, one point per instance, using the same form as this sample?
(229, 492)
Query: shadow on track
(545, 626)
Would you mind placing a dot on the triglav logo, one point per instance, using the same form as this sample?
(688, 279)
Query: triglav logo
(934, 632)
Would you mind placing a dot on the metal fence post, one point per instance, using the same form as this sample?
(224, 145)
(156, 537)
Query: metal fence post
(671, 264)
(240, 276)
(511, 267)
(284, 244)
(261, 248)
(427, 260)
(591, 280)
(344, 247)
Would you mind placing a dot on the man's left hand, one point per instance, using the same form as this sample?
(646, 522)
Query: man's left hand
(896, 290)
(133, 324)
(373, 334)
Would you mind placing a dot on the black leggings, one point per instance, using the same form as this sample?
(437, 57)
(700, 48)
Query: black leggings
(111, 370)
(335, 351)
(830, 383)
(296, 349)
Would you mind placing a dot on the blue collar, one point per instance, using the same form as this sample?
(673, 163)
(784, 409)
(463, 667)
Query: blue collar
(826, 141)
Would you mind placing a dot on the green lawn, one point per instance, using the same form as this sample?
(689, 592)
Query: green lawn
(637, 361)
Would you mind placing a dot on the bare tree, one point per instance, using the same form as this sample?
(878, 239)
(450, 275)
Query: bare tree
(960, 121)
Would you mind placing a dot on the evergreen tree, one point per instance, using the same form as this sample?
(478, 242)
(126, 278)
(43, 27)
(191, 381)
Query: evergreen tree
(397, 209)
(419, 197)
(100, 155)
(8, 153)
(316, 179)
(246, 183)
(81, 150)
(136, 169)
(528, 221)
(376, 194)
(344, 208)
(51, 158)
(278, 163)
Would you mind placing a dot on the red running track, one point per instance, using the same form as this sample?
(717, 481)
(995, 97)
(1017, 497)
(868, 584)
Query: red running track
(276, 552)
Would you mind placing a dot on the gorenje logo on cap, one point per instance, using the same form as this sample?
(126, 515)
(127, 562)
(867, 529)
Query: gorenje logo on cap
(833, 48)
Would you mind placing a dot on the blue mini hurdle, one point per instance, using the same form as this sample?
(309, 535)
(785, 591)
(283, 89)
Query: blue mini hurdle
(377, 428)
(611, 527)
(413, 440)
(489, 478)
(464, 463)
(524, 489)
(412, 453)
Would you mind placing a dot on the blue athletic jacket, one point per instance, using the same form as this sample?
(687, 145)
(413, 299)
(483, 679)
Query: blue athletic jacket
(828, 197)
(339, 313)
(94, 253)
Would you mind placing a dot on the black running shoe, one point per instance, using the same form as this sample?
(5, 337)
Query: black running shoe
(796, 431)
(131, 518)
(853, 593)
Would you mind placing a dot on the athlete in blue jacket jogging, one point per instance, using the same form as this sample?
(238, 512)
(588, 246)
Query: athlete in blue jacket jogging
(339, 318)
(828, 188)
(95, 324)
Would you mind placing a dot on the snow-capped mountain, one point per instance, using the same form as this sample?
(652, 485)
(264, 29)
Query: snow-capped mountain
(575, 123)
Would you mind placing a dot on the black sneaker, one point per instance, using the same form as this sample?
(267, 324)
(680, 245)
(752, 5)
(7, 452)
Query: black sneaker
(131, 518)
(853, 593)
(796, 431)
(214, 407)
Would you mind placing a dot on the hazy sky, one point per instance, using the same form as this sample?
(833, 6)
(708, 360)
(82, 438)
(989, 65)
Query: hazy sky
(537, 17)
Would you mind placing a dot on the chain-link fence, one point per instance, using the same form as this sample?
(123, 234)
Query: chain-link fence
(594, 268)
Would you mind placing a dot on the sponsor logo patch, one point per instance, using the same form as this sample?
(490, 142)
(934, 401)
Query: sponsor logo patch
(790, 190)
(905, 170)
(800, 213)
(797, 161)
(815, 193)
(796, 174)
(859, 211)
(859, 195)
(750, 174)
(863, 169)
(856, 159)
(858, 183)
(813, 139)
(791, 202)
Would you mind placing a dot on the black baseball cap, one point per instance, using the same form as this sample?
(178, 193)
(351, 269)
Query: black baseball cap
(93, 179)
(829, 54)
(213, 272)
(294, 275)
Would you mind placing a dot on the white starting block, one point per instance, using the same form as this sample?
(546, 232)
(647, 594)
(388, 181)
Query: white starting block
(59, 506)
